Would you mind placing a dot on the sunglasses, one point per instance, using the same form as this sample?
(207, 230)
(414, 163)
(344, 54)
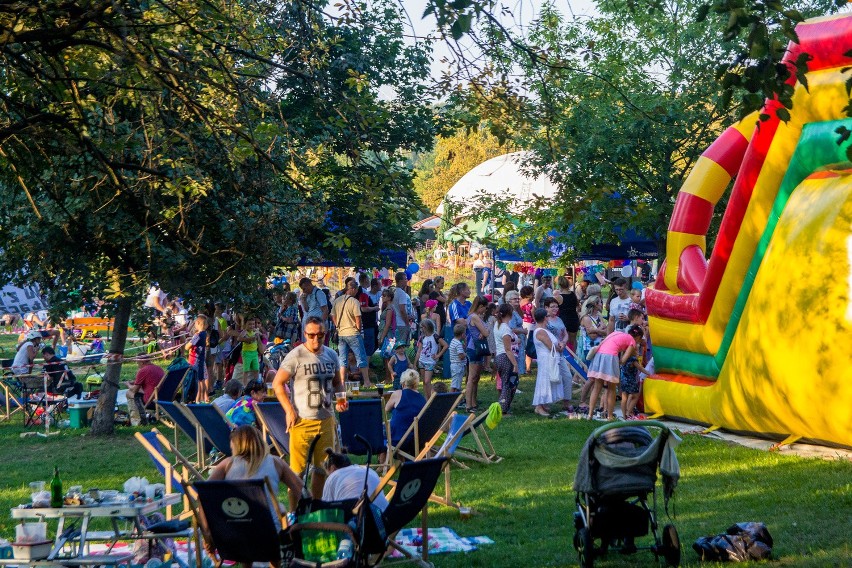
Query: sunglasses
(320, 335)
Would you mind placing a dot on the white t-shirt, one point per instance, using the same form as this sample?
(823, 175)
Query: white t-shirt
(155, 293)
(428, 350)
(401, 305)
(21, 364)
(500, 332)
(348, 483)
(618, 307)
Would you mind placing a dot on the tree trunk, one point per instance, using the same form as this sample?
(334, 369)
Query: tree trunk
(103, 423)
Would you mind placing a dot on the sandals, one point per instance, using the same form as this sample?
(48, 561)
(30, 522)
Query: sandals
(544, 413)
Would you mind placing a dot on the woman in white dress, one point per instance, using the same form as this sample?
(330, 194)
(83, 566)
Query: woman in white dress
(546, 391)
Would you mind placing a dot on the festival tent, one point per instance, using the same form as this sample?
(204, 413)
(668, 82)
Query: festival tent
(501, 178)
(631, 246)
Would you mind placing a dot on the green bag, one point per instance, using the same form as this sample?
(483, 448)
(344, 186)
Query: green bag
(321, 546)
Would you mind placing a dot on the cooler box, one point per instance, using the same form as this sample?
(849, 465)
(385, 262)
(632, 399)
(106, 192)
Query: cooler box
(78, 413)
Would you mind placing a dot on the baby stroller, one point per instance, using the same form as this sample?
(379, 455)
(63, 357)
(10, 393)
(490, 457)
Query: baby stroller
(616, 474)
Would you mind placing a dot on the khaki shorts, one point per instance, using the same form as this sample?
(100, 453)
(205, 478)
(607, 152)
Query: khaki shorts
(301, 436)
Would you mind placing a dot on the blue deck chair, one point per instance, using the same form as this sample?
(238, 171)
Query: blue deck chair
(273, 419)
(237, 519)
(167, 390)
(175, 413)
(364, 418)
(481, 449)
(212, 423)
(177, 478)
(576, 365)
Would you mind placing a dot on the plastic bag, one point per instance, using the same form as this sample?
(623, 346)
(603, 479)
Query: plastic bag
(135, 485)
(740, 543)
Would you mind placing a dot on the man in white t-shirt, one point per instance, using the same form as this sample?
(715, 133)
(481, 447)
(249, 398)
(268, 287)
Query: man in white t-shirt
(402, 308)
(619, 307)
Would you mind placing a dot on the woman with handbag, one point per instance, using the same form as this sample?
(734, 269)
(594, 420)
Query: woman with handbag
(506, 360)
(477, 350)
(548, 380)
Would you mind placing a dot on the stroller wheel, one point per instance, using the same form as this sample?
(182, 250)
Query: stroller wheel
(671, 545)
(586, 547)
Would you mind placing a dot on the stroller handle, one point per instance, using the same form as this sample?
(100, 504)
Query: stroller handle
(643, 423)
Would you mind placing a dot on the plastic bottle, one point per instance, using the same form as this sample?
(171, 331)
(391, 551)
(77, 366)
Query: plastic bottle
(56, 495)
(345, 549)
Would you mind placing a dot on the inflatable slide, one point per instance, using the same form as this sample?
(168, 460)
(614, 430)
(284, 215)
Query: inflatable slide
(759, 338)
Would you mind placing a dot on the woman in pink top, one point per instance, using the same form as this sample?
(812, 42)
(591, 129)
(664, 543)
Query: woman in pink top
(606, 365)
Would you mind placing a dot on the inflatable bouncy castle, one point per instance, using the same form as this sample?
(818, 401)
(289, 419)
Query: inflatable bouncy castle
(759, 338)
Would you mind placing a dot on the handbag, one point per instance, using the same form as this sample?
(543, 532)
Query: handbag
(529, 348)
(388, 345)
(553, 372)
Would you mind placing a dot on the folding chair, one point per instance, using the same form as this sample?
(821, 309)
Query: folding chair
(13, 397)
(365, 418)
(168, 389)
(578, 368)
(180, 422)
(273, 419)
(482, 450)
(238, 521)
(426, 425)
(211, 422)
(177, 480)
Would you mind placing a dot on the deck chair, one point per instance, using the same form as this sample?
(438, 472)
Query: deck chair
(366, 419)
(414, 487)
(480, 447)
(180, 423)
(168, 389)
(212, 424)
(578, 368)
(178, 472)
(426, 426)
(237, 519)
(273, 420)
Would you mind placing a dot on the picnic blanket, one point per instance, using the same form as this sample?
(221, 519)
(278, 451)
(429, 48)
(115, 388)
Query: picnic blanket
(441, 540)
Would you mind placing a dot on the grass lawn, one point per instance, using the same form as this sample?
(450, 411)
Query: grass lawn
(525, 503)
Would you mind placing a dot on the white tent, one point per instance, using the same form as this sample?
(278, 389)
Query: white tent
(499, 177)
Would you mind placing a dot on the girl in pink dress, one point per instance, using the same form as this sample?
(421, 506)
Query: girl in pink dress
(609, 356)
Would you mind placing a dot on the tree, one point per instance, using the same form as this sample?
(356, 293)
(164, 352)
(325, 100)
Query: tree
(616, 110)
(199, 144)
(453, 156)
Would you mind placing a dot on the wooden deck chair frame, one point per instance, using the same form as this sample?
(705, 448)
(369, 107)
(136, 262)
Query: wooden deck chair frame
(482, 450)
(429, 450)
(199, 451)
(201, 434)
(183, 477)
(10, 392)
(394, 451)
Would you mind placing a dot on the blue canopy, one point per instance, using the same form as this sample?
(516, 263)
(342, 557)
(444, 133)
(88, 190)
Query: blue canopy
(632, 246)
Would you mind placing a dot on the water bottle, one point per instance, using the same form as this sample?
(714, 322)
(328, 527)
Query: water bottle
(345, 549)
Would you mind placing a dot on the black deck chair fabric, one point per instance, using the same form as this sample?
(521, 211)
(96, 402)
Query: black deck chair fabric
(429, 422)
(240, 520)
(364, 418)
(274, 420)
(213, 424)
(414, 485)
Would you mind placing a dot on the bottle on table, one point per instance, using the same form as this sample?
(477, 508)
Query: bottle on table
(56, 495)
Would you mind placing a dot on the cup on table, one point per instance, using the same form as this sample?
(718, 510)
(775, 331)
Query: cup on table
(150, 492)
(341, 403)
(380, 388)
(356, 388)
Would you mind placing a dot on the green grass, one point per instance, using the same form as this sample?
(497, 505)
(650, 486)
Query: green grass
(525, 503)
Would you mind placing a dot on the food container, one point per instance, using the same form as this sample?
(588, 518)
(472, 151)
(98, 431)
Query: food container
(26, 533)
(29, 551)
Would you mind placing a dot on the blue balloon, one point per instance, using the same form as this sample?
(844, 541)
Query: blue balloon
(636, 285)
(408, 274)
(413, 268)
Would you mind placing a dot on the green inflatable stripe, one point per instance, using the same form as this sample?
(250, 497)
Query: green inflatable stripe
(686, 362)
(817, 147)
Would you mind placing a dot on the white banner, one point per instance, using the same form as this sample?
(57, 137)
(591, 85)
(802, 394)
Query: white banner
(14, 300)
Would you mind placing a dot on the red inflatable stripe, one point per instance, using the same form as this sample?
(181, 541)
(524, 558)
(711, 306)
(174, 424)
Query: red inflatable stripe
(691, 214)
(825, 42)
(728, 150)
(683, 379)
(671, 306)
(693, 269)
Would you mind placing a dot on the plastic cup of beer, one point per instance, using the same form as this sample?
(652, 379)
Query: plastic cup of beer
(342, 404)
(269, 390)
(356, 388)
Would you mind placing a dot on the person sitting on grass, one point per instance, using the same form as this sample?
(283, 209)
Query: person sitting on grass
(406, 403)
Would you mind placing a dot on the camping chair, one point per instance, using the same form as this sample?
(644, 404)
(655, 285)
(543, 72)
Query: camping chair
(578, 368)
(176, 480)
(483, 450)
(273, 419)
(426, 426)
(364, 419)
(180, 422)
(211, 424)
(237, 520)
(13, 396)
(167, 391)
